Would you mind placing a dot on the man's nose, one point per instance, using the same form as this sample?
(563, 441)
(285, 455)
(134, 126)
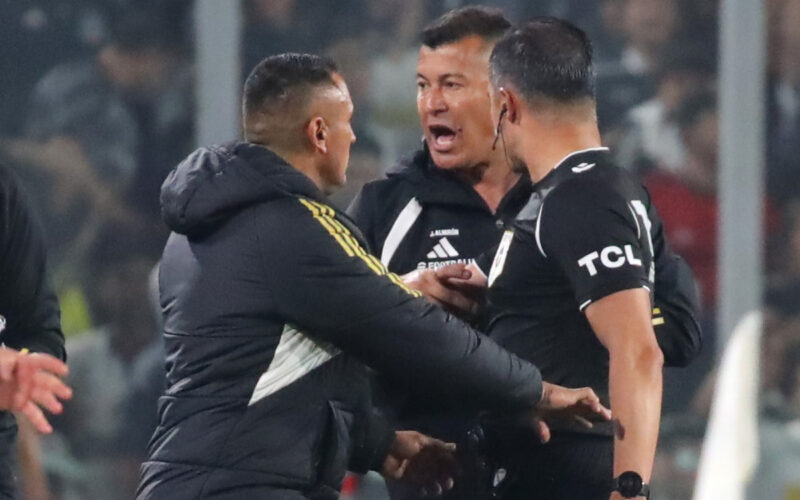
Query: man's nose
(435, 101)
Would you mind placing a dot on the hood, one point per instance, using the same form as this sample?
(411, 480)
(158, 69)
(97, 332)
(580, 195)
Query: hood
(214, 183)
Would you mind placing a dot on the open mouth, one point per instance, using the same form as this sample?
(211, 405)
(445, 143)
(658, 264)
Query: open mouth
(443, 137)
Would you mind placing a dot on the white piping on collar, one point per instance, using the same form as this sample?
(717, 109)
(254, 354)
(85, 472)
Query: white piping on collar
(601, 148)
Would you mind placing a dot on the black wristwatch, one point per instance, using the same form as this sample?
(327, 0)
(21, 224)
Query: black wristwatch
(630, 485)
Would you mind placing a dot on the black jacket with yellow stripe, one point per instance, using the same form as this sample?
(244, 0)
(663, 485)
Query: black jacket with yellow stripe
(272, 311)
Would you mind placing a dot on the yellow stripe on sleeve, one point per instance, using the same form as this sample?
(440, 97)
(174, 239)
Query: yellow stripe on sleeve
(324, 223)
(325, 215)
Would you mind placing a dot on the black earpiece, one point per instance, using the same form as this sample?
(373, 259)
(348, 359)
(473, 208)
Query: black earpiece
(498, 131)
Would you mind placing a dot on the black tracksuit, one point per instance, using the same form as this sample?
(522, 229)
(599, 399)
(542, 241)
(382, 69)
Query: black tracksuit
(271, 305)
(28, 307)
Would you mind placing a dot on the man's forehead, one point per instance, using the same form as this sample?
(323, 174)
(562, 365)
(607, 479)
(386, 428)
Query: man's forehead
(467, 54)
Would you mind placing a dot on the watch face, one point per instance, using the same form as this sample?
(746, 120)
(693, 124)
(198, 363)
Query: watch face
(630, 484)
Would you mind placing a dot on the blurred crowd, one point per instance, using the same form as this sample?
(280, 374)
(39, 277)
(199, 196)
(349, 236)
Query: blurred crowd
(97, 107)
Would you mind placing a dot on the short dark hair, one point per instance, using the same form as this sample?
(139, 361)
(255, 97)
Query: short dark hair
(452, 26)
(286, 79)
(547, 58)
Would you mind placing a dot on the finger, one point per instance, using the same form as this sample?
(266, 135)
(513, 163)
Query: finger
(444, 475)
(432, 442)
(411, 278)
(586, 394)
(435, 489)
(47, 400)
(36, 418)
(601, 411)
(49, 363)
(583, 422)
(8, 361)
(619, 429)
(459, 302)
(24, 375)
(543, 430)
(400, 471)
(44, 381)
(447, 296)
(458, 271)
(593, 410)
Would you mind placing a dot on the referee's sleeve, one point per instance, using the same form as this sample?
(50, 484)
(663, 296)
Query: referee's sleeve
(594, 236)
(324, 282)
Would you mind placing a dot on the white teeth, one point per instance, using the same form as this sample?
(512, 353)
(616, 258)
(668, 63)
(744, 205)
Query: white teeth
(445, 140)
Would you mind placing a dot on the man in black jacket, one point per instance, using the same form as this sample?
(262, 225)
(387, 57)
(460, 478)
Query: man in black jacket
(271, 305)
(29, 322)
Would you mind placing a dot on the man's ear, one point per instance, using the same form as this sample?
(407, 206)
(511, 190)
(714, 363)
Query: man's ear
(317, 134)
(510, 101)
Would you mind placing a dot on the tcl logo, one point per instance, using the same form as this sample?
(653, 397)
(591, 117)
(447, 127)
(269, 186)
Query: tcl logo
(611, 257)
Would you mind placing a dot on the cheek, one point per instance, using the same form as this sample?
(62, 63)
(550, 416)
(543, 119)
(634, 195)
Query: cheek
(476, 116)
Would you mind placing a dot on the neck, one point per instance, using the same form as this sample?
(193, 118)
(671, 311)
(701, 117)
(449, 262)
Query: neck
(305, 164)
(491, 182)
(547, 144)
(298, 160)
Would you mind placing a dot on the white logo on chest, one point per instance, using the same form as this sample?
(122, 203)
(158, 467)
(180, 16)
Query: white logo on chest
(443, 250)
(611, 257)
(583, 167)
(444, 232)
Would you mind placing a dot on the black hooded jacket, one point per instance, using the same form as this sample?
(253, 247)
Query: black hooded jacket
(272, 309)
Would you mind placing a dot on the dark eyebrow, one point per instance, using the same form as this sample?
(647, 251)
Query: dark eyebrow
(451, 75)
(444, 76)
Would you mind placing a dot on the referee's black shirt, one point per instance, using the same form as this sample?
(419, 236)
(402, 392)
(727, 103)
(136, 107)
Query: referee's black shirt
(588, 230)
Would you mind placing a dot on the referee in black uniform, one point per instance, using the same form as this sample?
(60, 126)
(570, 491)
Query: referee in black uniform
(427, 214)
(571, 284)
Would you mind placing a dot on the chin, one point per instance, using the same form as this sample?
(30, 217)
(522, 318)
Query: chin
(448, 161)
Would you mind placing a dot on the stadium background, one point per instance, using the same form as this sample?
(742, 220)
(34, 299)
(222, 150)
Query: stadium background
(99, 100)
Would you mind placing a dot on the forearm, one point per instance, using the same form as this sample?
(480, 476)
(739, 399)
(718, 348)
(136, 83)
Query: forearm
(434, 351)
(635, 383)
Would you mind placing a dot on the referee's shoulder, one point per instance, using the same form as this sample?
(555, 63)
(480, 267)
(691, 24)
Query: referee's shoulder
(596, 186)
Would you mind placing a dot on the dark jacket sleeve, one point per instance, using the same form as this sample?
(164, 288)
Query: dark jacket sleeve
(676, 302)
(372, 439)
(26, 301)
(326, 284)
(675, 312)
